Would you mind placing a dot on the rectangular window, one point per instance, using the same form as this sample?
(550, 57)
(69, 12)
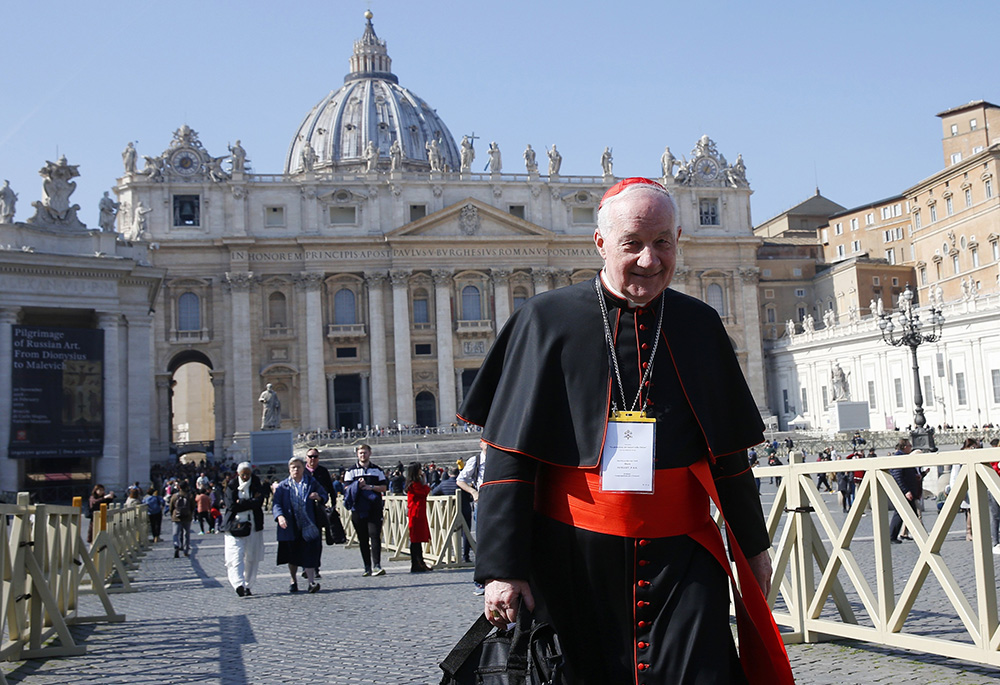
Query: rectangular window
(960, 393)
(928, 392)
(516, 210)
(973, 124)
(949, 206)
(187, 210)
(876, 280)
(923, 275)
(708, 212)
(422, 349)
(890, 256)
(989, 188)
(976, 150)
(347, 352)
(583, 215)
(805, 401)
(869, 218)
(420, 310)
(797, 272)
(417, 212)
(897, 209)
(954, 129)
(895, 281)
(840, 251)
(916, 219)
(772, 316)
(886, 213)
(996, 250)
(856, 246)
(854, 224)
(933, 213)
(871, 395)
(800, 292)
(968, 197)
(766, 273)
(974, 253)
(274, 217)
(768, 293)
(995, 375)
(954, 264)
(897, 385)
(343, 215)
(801, 311)
(956, 157)
(784, 399)
(838, 228)
(826, 399)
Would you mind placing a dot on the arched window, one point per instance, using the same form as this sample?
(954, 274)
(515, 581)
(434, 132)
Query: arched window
(188, 312)
(344, 307)
(520, 297)
(277, 314)
(472, 306)
(714, 297)
(421, 309)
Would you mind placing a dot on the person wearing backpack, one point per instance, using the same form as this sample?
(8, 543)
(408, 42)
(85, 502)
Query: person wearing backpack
(154, 507)
(181, 513)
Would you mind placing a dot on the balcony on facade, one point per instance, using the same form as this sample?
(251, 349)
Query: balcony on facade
(197, 335)
(350, 332)
(480, 328)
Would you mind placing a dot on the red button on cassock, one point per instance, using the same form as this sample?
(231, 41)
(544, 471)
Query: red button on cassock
(642, 667)
(642, 604)
(643, 583)
(642, 327)
(645, 346)
(645, 365)
(643, 543)
(642, 645)
(642, 624)
(644, 562)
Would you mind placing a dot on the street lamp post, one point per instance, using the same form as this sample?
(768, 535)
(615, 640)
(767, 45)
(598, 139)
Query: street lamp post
(910, 325)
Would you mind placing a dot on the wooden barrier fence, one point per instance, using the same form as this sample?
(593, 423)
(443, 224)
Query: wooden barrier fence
(45, 565)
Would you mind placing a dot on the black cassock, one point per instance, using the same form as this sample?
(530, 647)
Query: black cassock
(628, 609)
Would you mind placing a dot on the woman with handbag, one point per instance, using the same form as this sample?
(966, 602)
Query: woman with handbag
(299, 540)
(244, 528)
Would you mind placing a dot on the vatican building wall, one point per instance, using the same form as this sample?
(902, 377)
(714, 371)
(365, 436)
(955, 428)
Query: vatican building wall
(366, 281)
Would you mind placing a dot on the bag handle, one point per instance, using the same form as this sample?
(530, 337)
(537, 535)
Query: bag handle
(517, 658)
(467, 645)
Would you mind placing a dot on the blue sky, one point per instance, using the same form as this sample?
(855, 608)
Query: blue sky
(843, 95)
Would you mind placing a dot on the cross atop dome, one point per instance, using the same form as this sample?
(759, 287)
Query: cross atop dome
(370, 58)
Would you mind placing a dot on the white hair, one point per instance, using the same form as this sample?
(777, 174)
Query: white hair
(244, 466)
(604, 217)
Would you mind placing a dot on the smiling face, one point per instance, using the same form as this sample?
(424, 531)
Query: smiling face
(639, 244)
(364, 456)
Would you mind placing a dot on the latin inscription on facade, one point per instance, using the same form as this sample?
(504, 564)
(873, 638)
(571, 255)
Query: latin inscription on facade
(409, 253)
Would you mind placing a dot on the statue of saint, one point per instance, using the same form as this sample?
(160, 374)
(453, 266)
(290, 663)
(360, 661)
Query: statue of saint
(808, 324)
(395, 155)
(107, 208)
(668, 162)
(140, 223)
(128, 158)
(789, 328)
(371, 157)
(607, 161)
(841, 386)
(8, 198)
(829, 319)
(738, 173)
(529, 160)
(215, 170)
(873, 307)
(153, 168)
(495, 163)
(555, 161)
(239, 156)
(271, 417)
(433, 154)
(468, 154)
(308, 157)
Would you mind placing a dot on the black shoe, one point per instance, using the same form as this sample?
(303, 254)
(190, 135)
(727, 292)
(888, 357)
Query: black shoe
(294, 587)
(186, 553)
(246, 592)
(317, 574)
(177, 553)
(313, 588)
(895, 541)
(241, 591)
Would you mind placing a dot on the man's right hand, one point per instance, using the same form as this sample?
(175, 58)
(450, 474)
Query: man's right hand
(503, 598)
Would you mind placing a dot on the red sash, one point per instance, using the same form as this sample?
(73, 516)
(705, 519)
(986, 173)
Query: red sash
(573, 496)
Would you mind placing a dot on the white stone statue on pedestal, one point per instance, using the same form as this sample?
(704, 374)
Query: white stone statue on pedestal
(271, 415)
(8, 200)
(395, 156)
(841, 386)
(308, 157)
(873, 307)
(808, 324)
(495, 162)
(239, 157)
(128, 158)
(467, 155)
(371, 157)
(607, 162)
(829, 319)
(668, 162)
(530, 165)
(433, 154)
(108, 209)
(789, 328)
(555, 161)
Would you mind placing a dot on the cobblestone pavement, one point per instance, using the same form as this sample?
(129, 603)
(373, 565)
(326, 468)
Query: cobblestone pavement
(185, 624)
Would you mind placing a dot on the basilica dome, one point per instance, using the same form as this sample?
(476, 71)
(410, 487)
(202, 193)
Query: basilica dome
(370, 106)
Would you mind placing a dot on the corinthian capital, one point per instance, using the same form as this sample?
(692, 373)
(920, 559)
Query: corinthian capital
(309, 280)
(442, 277)
(239, 281)
(375, 279)
(500, 276)
(400, 277)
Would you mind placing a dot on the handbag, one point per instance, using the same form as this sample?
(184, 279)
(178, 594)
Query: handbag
(335, 534)
(241, 529)
(527, 654)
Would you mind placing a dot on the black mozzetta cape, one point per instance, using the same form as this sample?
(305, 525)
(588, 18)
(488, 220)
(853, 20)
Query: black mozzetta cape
(544, 389)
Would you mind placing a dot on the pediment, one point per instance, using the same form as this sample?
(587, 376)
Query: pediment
(470, 218)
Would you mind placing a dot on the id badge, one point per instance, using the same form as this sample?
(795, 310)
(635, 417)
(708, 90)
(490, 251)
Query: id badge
(627, 457)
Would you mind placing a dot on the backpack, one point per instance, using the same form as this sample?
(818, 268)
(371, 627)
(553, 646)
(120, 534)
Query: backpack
(154, 505)
(182, 506)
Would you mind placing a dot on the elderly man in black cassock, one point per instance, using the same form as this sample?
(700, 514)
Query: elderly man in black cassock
(614, 411)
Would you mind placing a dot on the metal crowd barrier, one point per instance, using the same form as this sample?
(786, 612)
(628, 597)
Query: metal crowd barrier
(45, 565)
(829, 582)
(444, 515)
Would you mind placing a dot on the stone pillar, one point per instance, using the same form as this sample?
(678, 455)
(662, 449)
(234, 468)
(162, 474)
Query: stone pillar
(243, 379)
(219, 394)
(501, 296)
(540, 277)
(315, 390)
(110, 469)
(445, 345)
(749, 282)
(366, 406)
(161, 427)
(405, 414)
(9, 478)
(376, 326)
(139, 397)
(680, 281)
(331, 402)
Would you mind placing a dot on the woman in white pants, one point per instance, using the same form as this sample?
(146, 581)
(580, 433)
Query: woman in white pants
(244, 528)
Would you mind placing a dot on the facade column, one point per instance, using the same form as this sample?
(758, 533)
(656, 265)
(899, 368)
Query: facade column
(315, 391)
(540, 277)
(376, 337)
(139, 397)
(366, 407)
(110, 469)
(161, 428)
(501, 296)
(405, 415)
(219, 398)
(562, 277)
(445, 345)
(680, 281)
(9, 475)
(749, 280)
(331, 402)
(242, 378)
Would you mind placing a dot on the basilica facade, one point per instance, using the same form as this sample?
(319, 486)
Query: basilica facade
(366, 280)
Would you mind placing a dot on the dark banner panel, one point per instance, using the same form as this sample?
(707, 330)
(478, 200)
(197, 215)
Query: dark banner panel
(57, 392)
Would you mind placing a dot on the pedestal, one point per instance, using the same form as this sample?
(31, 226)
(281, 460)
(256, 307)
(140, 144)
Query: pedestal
(270, 447)
(850, 416)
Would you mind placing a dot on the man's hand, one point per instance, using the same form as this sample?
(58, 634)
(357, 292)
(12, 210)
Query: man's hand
(761, 567)
(502, 600)
(282, 522)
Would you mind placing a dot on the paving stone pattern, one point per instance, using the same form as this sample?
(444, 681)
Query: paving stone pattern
(185, 624)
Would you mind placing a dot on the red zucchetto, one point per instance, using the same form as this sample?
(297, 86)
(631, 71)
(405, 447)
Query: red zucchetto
(623, 184)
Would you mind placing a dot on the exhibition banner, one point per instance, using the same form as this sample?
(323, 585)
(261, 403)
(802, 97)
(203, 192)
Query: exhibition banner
(57, 392)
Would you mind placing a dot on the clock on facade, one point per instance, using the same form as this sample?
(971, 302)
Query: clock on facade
(185, 162)
(707, 168)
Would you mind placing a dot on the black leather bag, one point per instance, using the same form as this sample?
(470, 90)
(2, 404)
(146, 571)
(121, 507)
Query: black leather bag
(335, 533)
(241, 529)
(527, 654)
